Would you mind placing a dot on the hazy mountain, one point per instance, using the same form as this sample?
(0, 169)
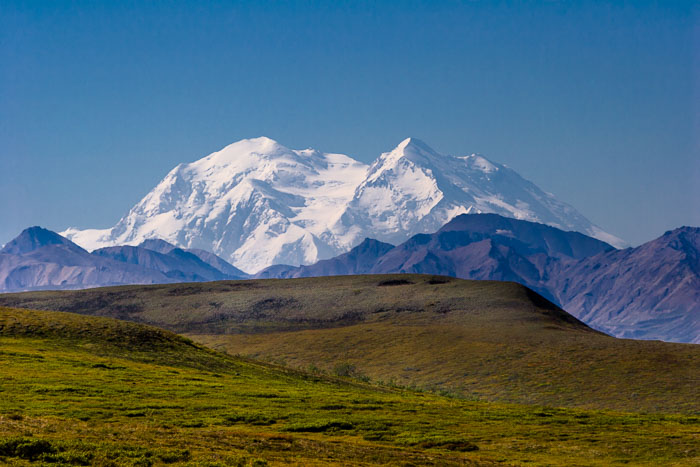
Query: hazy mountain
(649, 292)
(161, 246)
(257, 203)
(488, 246)
(34, 238)
(158, 245)
(176, 264)
(42, 259)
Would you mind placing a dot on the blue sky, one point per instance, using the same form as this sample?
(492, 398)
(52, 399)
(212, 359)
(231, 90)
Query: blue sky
(594, 102)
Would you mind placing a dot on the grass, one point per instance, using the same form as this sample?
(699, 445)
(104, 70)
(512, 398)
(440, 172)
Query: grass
(481, 340)
(84, 391)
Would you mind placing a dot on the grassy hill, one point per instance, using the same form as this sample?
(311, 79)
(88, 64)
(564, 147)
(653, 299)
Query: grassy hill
(80, 390)
(480, 340)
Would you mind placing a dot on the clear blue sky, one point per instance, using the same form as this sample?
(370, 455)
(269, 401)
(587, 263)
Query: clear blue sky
(597, 103)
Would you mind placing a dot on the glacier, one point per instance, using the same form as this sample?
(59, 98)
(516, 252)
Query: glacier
(257, 203)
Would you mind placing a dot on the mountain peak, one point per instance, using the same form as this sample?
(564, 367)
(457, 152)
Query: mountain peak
(257, 203)
(411, 141)
(244, 149)
(411, 149)
(412, 144)
(681, 238)
(371, 243)
(34, 238)
(682, 230)
(261, 141)
(157, 245)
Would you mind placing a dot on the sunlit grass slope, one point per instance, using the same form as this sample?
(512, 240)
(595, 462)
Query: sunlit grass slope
(79, 390)
(479, 339)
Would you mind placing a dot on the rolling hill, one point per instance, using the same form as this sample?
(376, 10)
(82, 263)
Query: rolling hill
(80, 390)
(496, 341)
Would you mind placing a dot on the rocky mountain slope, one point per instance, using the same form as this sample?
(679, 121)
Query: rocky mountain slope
(257, 203)
(649, 292)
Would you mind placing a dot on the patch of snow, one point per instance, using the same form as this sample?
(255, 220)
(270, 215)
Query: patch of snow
(504, 232)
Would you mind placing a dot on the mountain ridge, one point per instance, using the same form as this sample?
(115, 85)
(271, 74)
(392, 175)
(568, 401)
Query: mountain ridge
(39, 259)
(257, 203)
(33, 238)
(648, 292)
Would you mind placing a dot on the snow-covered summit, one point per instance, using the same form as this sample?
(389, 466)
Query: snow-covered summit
(254, 202)
(258, 203)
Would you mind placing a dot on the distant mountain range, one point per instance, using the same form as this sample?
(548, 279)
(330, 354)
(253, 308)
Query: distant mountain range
(261, 207)
(648, 292)
(257, 203)
(41, 259)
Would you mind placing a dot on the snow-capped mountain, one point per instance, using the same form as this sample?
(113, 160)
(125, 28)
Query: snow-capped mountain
(254, 203)
(258, 203)
(414, 189)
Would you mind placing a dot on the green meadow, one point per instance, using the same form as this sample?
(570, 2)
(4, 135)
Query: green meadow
(363, 370)
(476, 340)
(80, 390)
